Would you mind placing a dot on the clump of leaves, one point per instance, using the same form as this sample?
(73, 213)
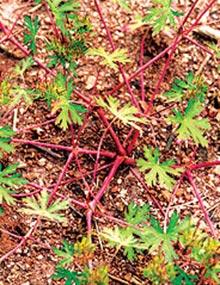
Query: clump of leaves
(84, 250)
(205, 250)
(161, 15)
(98, 276)
(39, 207)
(152, 237)
(192, 86)
(59, 96)
(157, 172)
(126, 114)
(66, 54)
(158, 271)
(6, 133)
(110, 59)
(188, 124)
(9, 181)
(32, 27)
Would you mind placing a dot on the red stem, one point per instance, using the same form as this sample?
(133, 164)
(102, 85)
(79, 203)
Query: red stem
(197, 194)
(199, 45)
(141, 64)
(204, 164)
(60, 178)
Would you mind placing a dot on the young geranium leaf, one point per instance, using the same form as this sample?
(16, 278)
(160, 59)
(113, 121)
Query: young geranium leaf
(110, 59)
(19, 94)
(188, 124)
(137, 22)
(98, 276)
(9, 181)
(23, 66)
(137, 214)
(161, 15)
(61, 10)
(126, 114)
(193, 86)
(33, 27)
(5, 88)
(120, 237)
(40, 207)
(216, 49)
(6, 133)
(70, 277)
(66, 252)
(183, 278)
(154, 238)
(157, 172)
(68, 112)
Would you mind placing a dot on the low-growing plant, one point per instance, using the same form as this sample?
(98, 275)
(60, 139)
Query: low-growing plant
(177, 250)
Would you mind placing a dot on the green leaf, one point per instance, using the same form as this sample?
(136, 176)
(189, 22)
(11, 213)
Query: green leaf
(1, 211)
(157, 172)
(216, 49)
(155, 239)
(120, 237)
(33, 27)
(70, 277)
(66, 252)
(23, 66)
(182, 276)
(137, 22)
(161, 15)
(61, 11)
(126, 114)
(9, 181)
(192, 86)
(19, 94)
(110, 59)
(137, 214)
(6, 133)
(40, 207)
(188, 124)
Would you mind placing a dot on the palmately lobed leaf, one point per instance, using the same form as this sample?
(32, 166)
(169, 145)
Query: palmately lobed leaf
(188, 125)
(126, 114)
(39, 207)
(110, 59)
(157, 172)
(9, 181)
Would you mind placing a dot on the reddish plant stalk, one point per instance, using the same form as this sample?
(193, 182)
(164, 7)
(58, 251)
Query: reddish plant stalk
(204, 164)
(56, 32)
(120, 147)
(199, 45)
(197, 194)
(92, 205)
(22, 242)
(60, 178)
(141, 64)
(31, 127)
(113, 47)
